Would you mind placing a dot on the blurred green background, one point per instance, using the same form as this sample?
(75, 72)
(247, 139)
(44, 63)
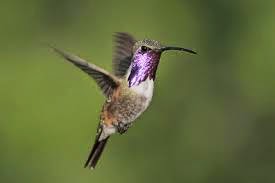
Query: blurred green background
(212, 116)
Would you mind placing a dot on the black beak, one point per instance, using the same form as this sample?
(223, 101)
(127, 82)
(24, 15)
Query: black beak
(166, 48)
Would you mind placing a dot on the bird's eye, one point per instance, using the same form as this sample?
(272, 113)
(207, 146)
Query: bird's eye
(144, 48)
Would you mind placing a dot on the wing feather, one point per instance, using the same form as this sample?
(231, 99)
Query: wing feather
(106, 81)
(123, 53)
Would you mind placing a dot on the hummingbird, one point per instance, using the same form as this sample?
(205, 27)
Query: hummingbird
(128, 89)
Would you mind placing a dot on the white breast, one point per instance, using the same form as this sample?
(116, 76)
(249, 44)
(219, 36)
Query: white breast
(145, 89)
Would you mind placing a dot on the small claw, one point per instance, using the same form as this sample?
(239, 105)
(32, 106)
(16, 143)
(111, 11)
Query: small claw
(121, 127)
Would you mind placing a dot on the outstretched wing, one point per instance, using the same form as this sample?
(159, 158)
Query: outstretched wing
(123, 53)
(106, 81)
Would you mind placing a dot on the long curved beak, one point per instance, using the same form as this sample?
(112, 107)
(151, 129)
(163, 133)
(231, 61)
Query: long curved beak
(166, 48)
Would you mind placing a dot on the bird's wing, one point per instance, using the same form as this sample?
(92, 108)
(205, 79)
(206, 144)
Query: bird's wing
(106, 81)
(123, 53)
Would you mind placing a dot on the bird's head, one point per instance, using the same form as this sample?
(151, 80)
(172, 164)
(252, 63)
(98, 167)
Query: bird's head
(146, 56)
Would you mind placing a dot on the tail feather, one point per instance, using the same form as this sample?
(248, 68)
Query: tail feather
(96, 153)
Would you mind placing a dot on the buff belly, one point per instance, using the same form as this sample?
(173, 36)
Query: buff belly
(128, 106)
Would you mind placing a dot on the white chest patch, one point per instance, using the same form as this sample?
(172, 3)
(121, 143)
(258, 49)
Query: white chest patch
(145, 89)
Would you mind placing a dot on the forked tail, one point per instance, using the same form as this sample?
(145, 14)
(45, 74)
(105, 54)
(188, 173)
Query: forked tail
(96, 152)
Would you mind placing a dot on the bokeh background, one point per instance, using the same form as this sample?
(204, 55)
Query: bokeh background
(212, 118)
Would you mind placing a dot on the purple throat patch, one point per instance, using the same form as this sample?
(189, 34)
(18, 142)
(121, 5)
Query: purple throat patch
(144, 65)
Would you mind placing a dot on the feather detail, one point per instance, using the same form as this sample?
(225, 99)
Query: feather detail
(123, 53)
(106, 81)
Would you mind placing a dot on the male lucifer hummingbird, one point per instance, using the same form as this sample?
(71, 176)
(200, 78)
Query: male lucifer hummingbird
(128, 90)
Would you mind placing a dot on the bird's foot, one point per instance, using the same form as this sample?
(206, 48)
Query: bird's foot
(122, 127)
